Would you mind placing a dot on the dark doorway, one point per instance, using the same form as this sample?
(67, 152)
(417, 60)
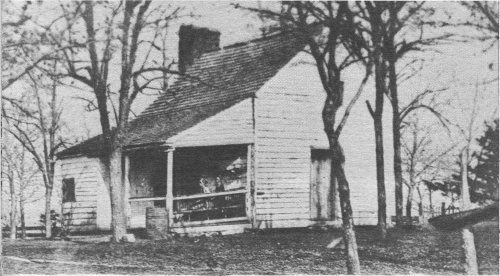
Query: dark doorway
(323, 196)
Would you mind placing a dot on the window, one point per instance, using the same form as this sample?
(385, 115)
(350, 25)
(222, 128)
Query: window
(68, 190)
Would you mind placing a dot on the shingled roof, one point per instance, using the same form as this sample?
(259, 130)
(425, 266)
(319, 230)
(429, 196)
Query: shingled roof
(216, 81)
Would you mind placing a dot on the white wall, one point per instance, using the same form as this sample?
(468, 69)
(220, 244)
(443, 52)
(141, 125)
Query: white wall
(90, 191)
(231, 126)
(288, 123)
(286, 128)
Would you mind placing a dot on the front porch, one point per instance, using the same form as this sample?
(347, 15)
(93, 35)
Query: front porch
(195, 189)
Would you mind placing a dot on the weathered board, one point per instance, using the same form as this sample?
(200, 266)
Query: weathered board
(323, 195)
(231, 126)
(285, 130)
(288, 125)
(91, 207)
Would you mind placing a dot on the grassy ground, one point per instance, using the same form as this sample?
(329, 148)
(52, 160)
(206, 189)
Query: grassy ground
(277, 252)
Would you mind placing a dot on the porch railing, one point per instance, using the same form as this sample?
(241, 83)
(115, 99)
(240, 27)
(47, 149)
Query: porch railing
(214, 206)
(194, 209)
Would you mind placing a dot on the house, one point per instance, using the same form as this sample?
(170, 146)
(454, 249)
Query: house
(236, 143)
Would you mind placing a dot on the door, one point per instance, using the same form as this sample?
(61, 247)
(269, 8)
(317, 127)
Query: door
(323, 196)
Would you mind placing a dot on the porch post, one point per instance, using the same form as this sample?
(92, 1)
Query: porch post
(170, 181)
(251, 185)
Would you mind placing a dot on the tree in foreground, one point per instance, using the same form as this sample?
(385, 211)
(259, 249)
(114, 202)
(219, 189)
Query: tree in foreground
(370, 16)
(117, 51)
(402, 17)
(331, 36)
(395, 29)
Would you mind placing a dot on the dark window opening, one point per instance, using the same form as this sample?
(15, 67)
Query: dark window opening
(68, 190)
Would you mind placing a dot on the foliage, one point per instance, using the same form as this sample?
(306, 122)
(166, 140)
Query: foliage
(484, 175)
(483, 172)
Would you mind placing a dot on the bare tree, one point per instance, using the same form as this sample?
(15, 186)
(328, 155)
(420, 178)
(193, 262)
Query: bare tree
(329, 31)
(480, 24)
(467, 128)
(389, 24)
(20, 173)
(422, 157)
(22, 45)
(401, 16)
(8, 174)
(484, 18)
(97, 44)
(37, 127)
(370, 14)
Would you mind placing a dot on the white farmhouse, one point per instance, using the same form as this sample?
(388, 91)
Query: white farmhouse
(236, 143)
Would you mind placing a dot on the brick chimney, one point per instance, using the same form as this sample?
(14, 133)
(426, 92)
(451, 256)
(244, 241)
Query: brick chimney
(193, 42)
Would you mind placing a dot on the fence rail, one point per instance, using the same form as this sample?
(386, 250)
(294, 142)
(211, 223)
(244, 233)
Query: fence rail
(443, 210)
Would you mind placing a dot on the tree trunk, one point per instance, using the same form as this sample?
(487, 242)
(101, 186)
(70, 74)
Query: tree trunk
(48, 219)
(421, 213)
(351, 247)
(380, 90)
(396, 136)
(467, 234)
(13, 221)
(469, 247)
(13, 211)
(409, 202)
(23, 221)
(1, 228)
(431, 206)
(398, 175)
(464, 190)
(114, 178)
(332, 103)
(117, 193)
(381, 195)
(378, 33)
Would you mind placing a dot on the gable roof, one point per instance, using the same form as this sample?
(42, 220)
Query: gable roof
(216, 81)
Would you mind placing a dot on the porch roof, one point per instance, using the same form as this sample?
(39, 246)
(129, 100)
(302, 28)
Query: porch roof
(216, 81)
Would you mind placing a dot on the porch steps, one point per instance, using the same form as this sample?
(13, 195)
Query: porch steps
(211, 229)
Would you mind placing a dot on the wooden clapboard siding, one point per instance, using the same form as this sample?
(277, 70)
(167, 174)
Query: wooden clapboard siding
(288, 123)
(284, 134)
(231, 126)
(91, 208)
